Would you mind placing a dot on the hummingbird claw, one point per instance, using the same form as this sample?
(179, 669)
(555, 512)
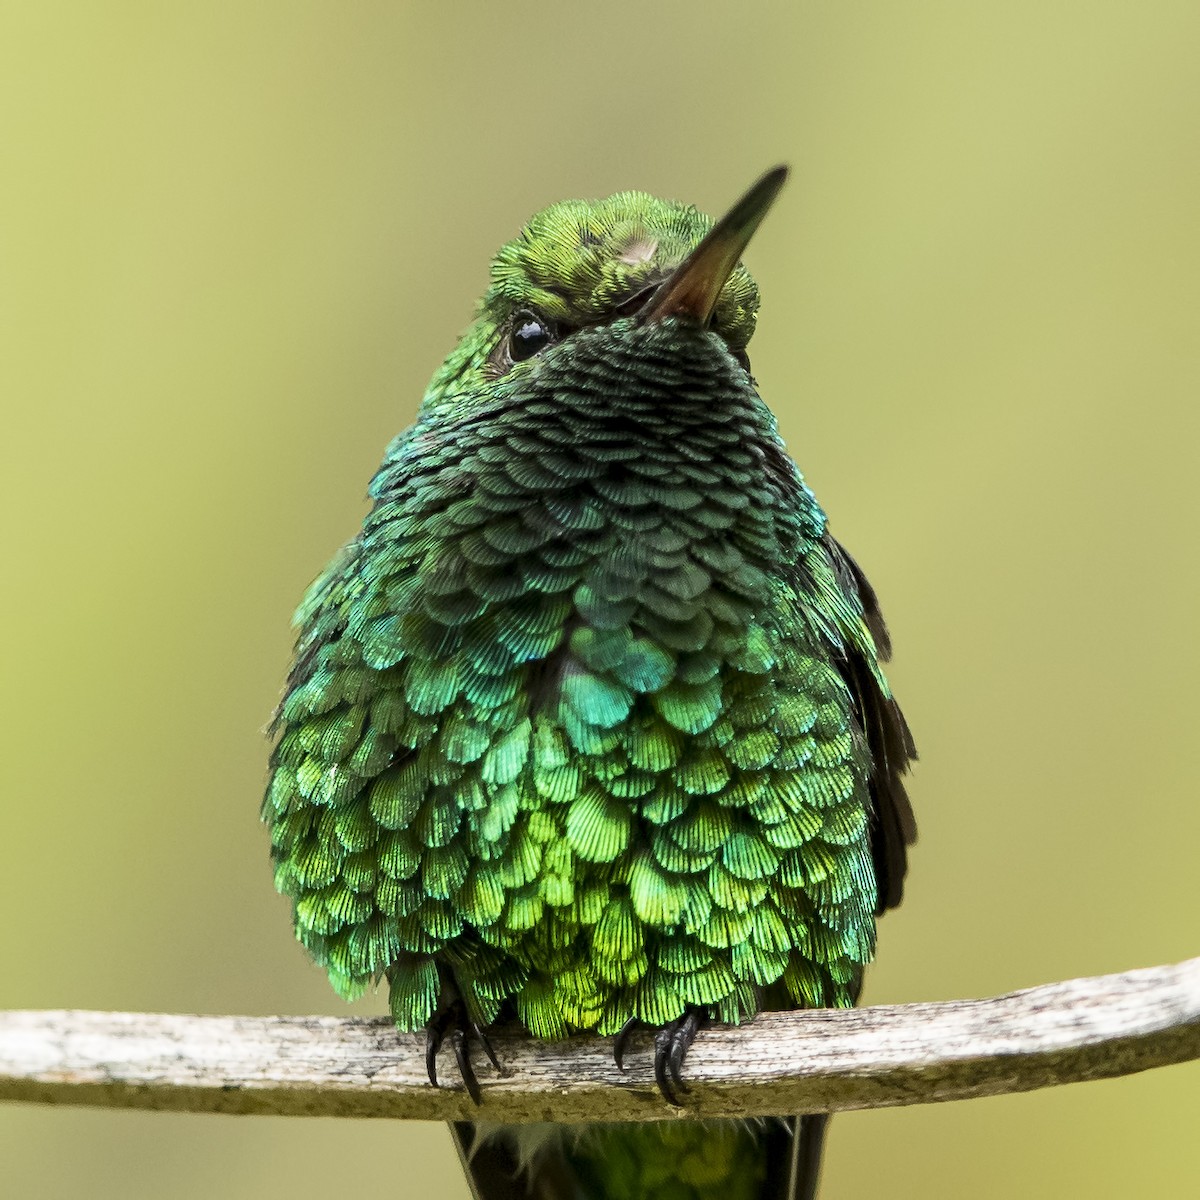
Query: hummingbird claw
(662, 1048)
(680, 1044)
(458, 1041)
(433, 1042)
(482, 1038)
(453, 1024)
(621, 1043)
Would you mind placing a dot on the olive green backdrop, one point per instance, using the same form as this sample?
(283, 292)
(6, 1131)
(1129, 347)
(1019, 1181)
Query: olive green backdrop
(236, 238)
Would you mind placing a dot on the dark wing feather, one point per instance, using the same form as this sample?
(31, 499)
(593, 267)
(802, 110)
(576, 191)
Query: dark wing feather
(893, 826)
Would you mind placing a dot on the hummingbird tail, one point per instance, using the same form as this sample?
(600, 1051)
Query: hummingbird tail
(807, 1149)
(501, 1165)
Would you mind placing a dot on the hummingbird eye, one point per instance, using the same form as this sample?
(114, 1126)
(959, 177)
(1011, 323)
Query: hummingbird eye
(530, 334)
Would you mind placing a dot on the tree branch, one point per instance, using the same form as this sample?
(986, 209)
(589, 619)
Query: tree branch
(780, 1063)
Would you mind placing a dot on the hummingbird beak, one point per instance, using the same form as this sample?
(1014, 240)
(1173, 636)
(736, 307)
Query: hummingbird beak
(693, 287)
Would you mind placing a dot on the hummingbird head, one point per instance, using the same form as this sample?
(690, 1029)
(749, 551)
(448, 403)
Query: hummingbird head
(582, 264)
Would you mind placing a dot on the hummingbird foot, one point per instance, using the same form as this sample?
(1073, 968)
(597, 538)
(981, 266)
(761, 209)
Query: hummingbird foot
(671, 1044)
(453, 1024)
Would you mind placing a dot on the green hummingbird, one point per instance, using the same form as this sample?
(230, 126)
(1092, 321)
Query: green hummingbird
(587, 728)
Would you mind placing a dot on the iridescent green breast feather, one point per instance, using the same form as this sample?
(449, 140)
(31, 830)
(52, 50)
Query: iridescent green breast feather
(571, 717)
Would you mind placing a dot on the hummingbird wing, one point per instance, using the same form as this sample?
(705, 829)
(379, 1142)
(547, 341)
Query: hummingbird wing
(893, 826)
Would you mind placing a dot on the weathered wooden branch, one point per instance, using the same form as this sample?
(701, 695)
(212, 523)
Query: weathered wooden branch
(780, 1063)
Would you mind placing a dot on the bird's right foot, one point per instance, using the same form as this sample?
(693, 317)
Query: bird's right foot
(452, 1023)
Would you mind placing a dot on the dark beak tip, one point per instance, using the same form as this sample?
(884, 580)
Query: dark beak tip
(778, 175)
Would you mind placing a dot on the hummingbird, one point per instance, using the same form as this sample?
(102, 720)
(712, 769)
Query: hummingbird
(587, 728)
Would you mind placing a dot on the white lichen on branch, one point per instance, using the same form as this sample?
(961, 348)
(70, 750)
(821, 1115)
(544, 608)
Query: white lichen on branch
(795, 1062)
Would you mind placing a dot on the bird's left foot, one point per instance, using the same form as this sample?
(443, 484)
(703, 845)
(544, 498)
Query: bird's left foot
(454, 1025)
(671, 1044)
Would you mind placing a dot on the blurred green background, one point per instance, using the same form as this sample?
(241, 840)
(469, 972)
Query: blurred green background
(235, 240)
